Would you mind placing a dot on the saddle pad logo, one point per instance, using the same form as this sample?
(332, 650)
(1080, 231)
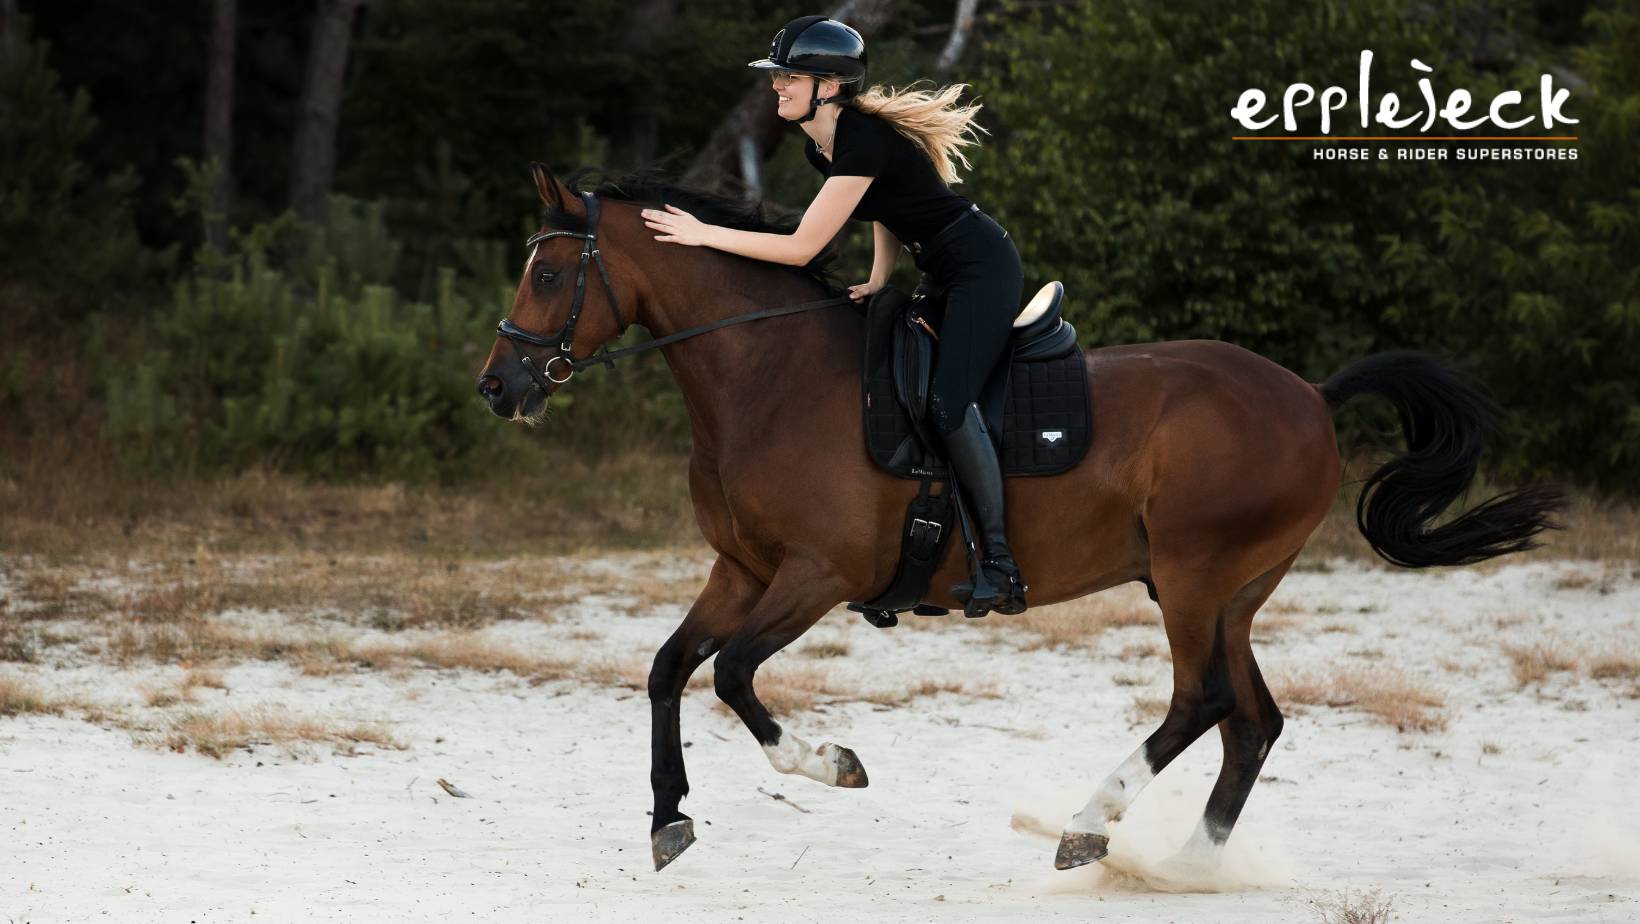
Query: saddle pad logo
(1050, 436)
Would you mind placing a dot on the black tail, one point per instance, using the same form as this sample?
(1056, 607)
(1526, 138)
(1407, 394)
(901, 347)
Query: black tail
(1445, 420)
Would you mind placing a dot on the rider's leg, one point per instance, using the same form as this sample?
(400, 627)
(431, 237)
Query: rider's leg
(982, 300)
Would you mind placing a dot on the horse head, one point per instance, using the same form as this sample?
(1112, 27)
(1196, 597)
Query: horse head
(556, 320)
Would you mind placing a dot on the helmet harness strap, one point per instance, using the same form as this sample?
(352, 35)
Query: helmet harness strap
(815, 102)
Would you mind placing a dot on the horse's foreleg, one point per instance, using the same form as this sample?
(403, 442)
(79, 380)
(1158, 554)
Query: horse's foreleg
(799, 595)
(729, 595)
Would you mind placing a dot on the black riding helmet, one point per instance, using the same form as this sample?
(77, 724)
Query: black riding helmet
(821, 47)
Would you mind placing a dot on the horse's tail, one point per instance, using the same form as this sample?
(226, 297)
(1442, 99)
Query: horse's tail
(1445, 420)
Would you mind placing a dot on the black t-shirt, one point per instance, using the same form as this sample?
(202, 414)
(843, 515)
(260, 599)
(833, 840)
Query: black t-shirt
(907, 196)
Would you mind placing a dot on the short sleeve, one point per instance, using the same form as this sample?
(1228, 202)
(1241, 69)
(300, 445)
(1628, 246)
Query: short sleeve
(860, 151)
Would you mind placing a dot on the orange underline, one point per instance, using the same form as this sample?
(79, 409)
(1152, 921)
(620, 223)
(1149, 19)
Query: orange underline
(1401, 138)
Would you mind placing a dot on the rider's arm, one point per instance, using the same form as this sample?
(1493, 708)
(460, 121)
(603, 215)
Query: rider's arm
(887, 251)
(821, 222)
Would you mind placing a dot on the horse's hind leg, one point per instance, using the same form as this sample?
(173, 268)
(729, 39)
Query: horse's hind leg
(1249, 731)
(721, 608)
(799, 595)
(1202, 696)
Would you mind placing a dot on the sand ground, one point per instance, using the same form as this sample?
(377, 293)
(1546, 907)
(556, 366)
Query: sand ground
(1525, 807)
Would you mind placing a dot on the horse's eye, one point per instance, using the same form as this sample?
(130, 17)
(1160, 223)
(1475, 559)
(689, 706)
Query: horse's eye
(545, 277)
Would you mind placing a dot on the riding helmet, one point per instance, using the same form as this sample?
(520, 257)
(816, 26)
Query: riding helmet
(822, 47)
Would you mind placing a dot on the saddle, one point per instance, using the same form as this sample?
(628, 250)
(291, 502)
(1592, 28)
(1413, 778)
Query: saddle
(1035, 404)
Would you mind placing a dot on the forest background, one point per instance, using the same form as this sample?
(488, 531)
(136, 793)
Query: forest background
(251, 248)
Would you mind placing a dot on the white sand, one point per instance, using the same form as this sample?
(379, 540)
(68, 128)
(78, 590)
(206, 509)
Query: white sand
(959, 823)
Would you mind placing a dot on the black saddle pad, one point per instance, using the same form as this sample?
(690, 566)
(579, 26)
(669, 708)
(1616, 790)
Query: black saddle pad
(1039, 407)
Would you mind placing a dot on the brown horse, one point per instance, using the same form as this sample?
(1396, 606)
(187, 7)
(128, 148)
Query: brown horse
(1210, 468)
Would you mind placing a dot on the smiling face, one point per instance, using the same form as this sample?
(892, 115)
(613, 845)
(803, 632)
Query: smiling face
(793, 92)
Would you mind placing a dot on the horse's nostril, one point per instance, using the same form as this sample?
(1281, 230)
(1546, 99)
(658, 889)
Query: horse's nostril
(489, 386)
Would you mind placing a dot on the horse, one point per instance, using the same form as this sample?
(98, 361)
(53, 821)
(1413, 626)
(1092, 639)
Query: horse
(1209, 470)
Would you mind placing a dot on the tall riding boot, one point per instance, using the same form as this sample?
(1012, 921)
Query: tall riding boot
(973, 458)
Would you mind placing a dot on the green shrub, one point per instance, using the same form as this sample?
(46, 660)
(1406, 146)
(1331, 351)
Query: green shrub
(309, 364)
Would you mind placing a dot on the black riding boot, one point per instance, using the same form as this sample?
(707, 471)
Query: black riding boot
(974, 459)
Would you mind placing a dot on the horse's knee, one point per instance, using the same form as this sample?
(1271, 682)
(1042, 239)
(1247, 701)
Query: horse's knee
(664, 672)
(733, 677)
(1272, 727)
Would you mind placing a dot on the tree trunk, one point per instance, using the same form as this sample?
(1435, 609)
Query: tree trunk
(218, 140)
(717, 166)
(961, 25)
(650, 20)
(11, 41)
(313, 157)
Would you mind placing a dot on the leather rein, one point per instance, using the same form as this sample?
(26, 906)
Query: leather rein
(542, 375)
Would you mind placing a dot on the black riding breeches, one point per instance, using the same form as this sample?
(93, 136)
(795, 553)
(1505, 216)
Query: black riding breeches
(974, 261)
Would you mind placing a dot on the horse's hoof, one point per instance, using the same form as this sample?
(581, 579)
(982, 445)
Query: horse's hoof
(850, 773)
(1079, 849)
(670, 841)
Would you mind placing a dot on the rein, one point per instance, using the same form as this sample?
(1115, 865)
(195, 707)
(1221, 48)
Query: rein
(542, 376)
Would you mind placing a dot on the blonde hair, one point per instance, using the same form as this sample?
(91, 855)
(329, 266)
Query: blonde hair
(931, 118)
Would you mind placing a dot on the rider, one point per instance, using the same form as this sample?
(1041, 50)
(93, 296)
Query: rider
(908, 141)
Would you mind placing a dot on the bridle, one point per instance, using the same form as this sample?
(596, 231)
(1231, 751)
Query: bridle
(563, 339)
(542, 376)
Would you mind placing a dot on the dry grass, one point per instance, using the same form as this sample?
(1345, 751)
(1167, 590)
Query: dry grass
(58, 499)
(1533, 664)
(216, 735)
(200, 640)
(1387, 694)
(18, 697)
(1396, 699)
(928, 687)
(1072, 624)
(19, 643)
(790, 689)
(1454, 666)
(1303, 688)
(1268, 626)
(1141, 650)
(458, 651)
(1149, 709)
(823, 650)
(1578, 579)
(1615, 666)
(1366, 908)
(51, 593)
(184, 690)
(626, 673)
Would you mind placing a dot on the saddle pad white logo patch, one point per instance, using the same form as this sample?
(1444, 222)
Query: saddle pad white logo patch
(1051, 436)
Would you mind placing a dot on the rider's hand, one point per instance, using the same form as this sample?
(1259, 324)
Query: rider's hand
(676, 226)
(864, 290)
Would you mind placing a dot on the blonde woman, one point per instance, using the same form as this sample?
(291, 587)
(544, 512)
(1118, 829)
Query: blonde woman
(887, 157)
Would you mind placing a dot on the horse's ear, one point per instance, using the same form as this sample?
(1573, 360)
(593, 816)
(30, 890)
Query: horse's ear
(551, 190)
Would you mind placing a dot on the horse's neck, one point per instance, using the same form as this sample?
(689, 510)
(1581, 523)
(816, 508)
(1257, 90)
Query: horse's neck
(735, 380)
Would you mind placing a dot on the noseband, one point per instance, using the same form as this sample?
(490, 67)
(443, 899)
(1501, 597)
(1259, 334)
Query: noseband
(542, 375)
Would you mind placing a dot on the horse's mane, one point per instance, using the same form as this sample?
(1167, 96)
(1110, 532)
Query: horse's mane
(654, 187)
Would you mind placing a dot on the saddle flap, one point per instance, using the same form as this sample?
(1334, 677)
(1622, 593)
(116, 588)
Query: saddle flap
(913, 361)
